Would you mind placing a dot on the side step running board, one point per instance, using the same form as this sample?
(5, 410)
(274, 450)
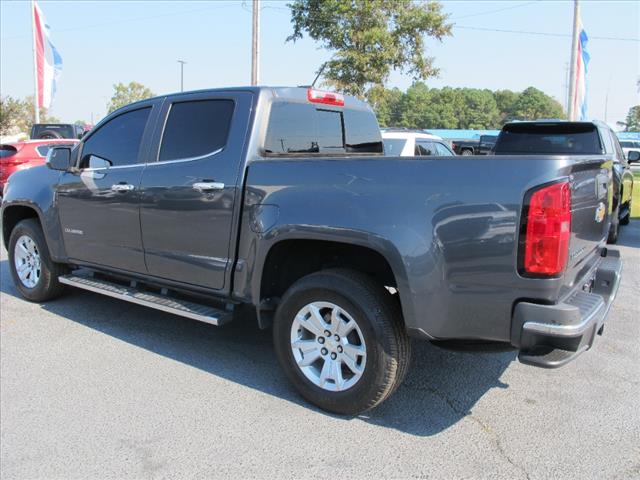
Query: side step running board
(195, 311)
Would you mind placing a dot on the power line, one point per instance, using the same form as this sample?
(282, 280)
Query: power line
(546, 34)
(129, 20)
(495, 11)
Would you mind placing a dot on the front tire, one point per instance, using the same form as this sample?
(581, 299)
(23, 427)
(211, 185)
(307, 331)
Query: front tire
(467, 152)
(340, 339)
(34, 273)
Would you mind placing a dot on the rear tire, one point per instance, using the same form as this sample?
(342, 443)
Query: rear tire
(625, 220)
(467, 152)
(377, 333)
(34, 273)
(614, 229)
(49, 135)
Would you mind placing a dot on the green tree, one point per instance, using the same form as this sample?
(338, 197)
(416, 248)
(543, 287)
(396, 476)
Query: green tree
(415, 106)
(532, 104)
(126, 94)
(370, 38)
(506, 103)
(387, 103)
(633, 119)
(10, 113)
(479, 109)
(18, 115)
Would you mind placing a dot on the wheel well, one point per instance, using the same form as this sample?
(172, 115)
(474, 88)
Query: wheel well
(291, 260)
(12, 216)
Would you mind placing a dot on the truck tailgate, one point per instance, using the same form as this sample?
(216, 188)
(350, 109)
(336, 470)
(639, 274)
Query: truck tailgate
(590, 216)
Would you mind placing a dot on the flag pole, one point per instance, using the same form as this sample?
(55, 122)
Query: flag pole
(574, 59)
(35, 63)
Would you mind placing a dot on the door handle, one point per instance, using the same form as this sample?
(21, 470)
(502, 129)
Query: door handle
(208, 186)
(122, 187)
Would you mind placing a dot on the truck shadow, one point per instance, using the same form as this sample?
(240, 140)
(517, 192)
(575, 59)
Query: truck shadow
(440, 389)
(629, 234)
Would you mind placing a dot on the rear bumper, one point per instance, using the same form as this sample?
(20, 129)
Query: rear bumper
(550, 336)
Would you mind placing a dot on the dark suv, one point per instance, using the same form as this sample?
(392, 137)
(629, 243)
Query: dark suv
(50, 131)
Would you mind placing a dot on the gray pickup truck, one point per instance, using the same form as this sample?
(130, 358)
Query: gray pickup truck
(279, 204)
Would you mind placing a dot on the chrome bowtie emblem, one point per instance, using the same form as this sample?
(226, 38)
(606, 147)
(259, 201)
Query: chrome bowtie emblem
(600, 212)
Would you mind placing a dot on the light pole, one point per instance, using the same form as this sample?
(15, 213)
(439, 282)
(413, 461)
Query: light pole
(255, 43)
(181, 62)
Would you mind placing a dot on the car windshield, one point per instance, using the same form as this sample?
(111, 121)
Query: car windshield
(394, 146)
(629, 144)
(567, 138)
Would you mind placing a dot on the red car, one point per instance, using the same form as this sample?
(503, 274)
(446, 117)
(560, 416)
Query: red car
(20, 155)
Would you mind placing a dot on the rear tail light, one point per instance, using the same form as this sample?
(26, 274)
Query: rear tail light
(547, 230)
(326, 98)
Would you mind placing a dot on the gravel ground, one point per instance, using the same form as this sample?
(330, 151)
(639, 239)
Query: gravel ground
(92, 387)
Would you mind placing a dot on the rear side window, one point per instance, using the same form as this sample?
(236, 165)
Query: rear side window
(7, 151)
(298, 128)
(117, 141)
(394, 146)
(196, 128)
(559, 139)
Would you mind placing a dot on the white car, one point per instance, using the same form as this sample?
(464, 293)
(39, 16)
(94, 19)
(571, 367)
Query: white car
(414, 143)
(628, 145)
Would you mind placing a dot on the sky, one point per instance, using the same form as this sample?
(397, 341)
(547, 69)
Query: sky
(105, 42)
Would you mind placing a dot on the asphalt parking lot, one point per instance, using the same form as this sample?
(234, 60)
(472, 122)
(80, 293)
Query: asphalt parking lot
(92, 387)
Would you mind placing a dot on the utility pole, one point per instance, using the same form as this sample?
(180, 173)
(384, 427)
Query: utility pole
(255, 44)
(565, 87)
(574, 59)
(181, 62)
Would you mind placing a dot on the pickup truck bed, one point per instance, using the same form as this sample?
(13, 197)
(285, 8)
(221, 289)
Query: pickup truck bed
(296, 217)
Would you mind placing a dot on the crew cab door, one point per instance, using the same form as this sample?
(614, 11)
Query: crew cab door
(99, 201)
(188, 194)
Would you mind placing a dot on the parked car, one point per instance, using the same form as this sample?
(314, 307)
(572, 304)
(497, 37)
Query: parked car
(575, 138)
(414, 143)
(279, 204)
(629, 145)
(482, 146)
(22, 155)
(50, 131)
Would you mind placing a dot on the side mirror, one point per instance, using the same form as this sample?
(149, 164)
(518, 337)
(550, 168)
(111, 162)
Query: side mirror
(59, 158)
(633, 156)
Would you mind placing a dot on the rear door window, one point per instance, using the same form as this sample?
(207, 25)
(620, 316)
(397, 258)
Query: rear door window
(196, 128)
(425, 148)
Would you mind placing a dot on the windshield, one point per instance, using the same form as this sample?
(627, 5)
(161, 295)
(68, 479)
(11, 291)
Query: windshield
(393, 146)
(629, 144)
(559, 139)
